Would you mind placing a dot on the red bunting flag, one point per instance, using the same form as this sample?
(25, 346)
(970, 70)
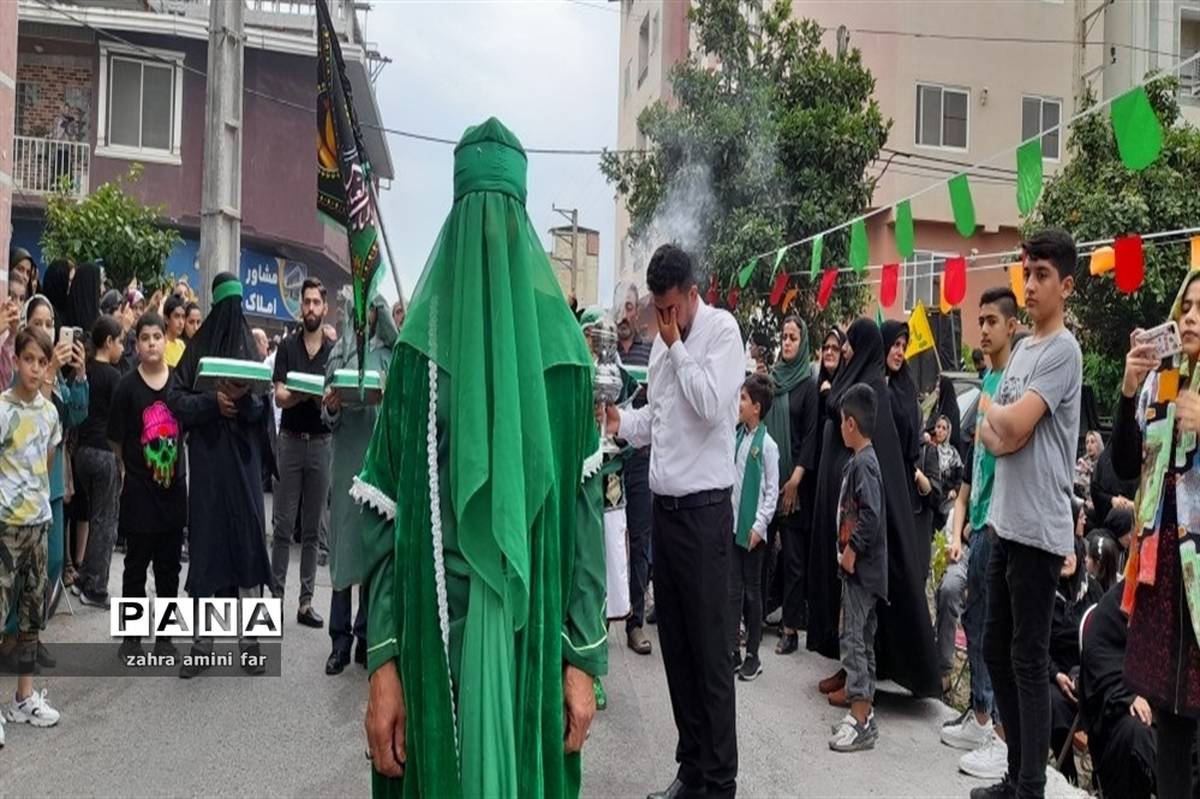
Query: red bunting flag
(1131, 264)
(712, 295)
(955, 285)
(827, 281)
(732, 300)
(888, 284)
(781, 283)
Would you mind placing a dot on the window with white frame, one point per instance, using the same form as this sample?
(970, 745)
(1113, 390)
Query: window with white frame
(654, 33)
(643, 49)
(1039, 115)
(628, 67)
(922, 278)
(141, 104)
(942, 116)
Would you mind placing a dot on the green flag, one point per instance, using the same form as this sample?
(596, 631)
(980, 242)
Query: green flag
(878, 316)
(747, 273)
(818, 246)
(1138, 131)
(859, 254)
(1029, 174)
(778, 260)
(904, 229)
(963, 207)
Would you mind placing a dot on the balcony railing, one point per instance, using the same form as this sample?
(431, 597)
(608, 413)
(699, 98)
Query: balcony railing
(1189, 78)
(41, 166)
(297, 16)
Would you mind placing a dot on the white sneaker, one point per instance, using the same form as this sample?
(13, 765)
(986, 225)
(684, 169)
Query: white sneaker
(989, 762)
(967, 734)
(34, 709)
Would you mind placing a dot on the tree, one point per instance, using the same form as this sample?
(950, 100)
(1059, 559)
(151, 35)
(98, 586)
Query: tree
(1096, 197)
(766, 148)
(111, 225)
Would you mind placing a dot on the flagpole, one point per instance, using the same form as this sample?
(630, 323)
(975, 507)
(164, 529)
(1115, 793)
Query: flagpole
(387, 246)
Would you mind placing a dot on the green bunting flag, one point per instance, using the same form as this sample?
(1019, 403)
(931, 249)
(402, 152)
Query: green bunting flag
(904, 230)
(878, 316)
(963, 207)
(1029, 175)
(859, 254)
(747, 272)
(778, 260)
(818, 246)
(1138, 131)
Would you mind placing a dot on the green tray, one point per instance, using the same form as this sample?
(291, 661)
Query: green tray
(257, 375)
(305, 383)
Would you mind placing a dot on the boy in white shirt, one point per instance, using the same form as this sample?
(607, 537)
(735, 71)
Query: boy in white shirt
(755, 494)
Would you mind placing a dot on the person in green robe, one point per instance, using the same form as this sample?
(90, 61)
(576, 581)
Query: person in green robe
(351, 425)
(486, 626)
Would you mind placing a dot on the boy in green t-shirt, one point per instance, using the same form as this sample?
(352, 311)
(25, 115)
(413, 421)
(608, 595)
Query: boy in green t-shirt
(964, 588)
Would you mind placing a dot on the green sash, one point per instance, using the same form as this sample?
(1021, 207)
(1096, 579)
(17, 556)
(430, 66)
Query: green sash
(751, 484)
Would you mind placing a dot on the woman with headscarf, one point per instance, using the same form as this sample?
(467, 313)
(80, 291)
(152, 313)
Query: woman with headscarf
(227, 436)
(1085, 467)
(70, 397)
(1154, 438)
(351, 426)
(83, 296)
(904, 642)
(792, 423)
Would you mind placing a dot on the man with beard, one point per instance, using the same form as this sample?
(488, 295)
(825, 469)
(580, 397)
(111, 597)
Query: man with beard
(302, 452)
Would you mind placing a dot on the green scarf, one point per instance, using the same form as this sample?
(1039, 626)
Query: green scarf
(787, 375)
(489, 313)
(751, 484)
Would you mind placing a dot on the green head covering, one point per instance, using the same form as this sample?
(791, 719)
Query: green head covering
(1177, 306)
(787, 375)
(344, 354)
(590, 317)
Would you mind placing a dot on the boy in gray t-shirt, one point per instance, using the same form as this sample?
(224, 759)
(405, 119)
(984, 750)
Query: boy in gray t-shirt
(1031, 427)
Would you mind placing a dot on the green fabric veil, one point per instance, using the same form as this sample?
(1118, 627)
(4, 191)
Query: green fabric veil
(491, 316)
(787, 375)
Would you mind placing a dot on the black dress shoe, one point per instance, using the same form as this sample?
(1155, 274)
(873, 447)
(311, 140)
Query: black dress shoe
(360, 654)
(677, 790)
(253, 662)
(309, 618)
(337, 662)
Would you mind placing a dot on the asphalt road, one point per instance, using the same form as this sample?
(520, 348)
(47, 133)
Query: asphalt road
(301, 734)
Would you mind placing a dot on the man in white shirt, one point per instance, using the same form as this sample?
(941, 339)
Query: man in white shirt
(696, 370)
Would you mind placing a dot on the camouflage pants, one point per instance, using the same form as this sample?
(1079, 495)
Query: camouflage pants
(23, 559)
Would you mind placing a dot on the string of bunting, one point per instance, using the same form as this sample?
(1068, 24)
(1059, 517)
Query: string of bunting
(1139, 138)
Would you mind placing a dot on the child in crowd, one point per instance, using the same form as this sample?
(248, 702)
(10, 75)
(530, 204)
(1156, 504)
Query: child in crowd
(862, 544)
(755, 494)
(147, 439)
(29, 432)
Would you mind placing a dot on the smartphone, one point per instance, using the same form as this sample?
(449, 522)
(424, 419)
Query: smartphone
(1164, 338)
(78, 333)
(65, 335)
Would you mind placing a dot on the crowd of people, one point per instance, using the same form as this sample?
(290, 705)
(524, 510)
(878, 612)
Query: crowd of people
(108, 444)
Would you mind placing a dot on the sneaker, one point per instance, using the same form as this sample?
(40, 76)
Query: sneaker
(737, 661)
(751, 668)
(164, 648)
(969, 734)
(33, 709)
(851, 736)
(1001, 790)
(93, 600)
(846, 719)
(75, 589)
(989, 762)
(131, 647)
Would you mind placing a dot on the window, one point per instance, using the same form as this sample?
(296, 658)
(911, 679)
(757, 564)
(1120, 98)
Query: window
(643, 49)
(26, 101)
(140, 105)
(628, 66)
(922, 279)
(942, 116)
(654, 34)
(1038, 115)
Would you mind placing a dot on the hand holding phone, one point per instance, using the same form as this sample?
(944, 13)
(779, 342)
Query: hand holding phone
(1163, 341)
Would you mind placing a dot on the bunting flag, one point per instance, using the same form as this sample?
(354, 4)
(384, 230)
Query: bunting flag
(1131, 265)
(1195, 262)
(878, 316)
(344, 175)
(920, 336)
(943, 304)
(904, 230)
(781, 284)
(712, 296)
(1137, 129)
(1102, 260)
(888, 283)
(1016, 279)
(789, 298)
(962, 205)
(778, 260)
(826, 290)
(859, 252)
(732, 299)
(954, 280)
(1029, 175)
(817, 247)
(747, 272)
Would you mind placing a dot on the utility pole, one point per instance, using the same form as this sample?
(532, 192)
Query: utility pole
(221, 199)
(572, 216)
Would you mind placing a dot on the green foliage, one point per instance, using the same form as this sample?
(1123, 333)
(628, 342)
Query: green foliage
(776, 139)
(113, 225)
(1096, 197)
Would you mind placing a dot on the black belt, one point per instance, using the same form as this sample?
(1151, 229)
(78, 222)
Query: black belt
(305, 436)
(701, 499)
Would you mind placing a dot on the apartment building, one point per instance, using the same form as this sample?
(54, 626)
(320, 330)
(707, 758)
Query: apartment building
(575, 257)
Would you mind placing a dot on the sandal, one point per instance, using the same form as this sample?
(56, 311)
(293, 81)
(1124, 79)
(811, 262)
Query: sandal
(788, 643)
